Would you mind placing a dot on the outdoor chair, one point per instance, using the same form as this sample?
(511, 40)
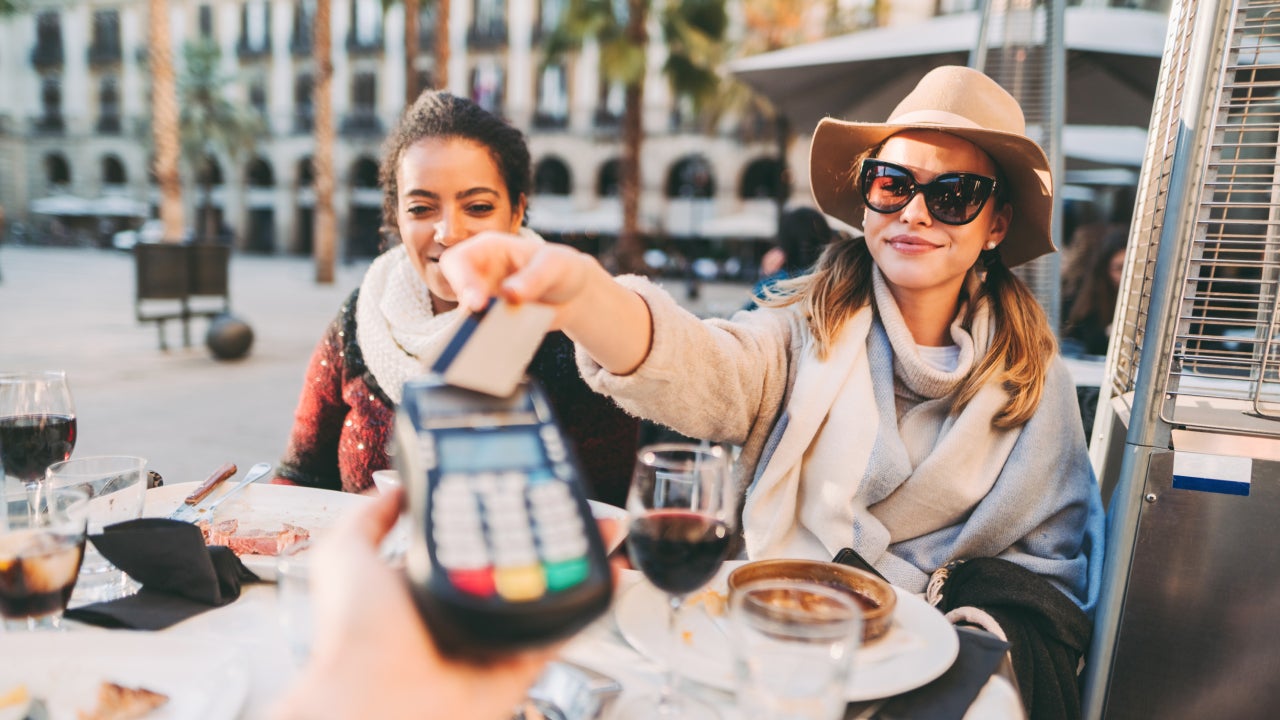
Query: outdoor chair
(179, 282)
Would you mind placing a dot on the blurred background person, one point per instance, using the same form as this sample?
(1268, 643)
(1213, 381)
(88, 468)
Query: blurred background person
(802, 234)
(1089, 298)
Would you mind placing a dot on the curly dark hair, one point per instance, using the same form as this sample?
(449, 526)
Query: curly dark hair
(437, 114)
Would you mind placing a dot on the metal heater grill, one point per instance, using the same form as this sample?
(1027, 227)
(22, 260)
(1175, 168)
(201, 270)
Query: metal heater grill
(1185, 625)
(1225, 345)
(1223, 366)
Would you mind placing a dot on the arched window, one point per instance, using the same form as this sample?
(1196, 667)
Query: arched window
(760, 179)
(690, 177)
(609, 180)
(113, 171)
(364, 173)
(259, 173)
(551, 177)
(306, 174)
(57, 169)
(209, 172)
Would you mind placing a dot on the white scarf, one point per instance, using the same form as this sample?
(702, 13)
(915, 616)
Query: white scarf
(398, 331)
(817, 486)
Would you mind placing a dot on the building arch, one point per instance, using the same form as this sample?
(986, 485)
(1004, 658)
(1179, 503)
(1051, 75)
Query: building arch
(260, 217)
(552, 177)
(760, 179)
(57, 170)
(113, 172)
(259, 173)
(364, 173)
(691, 176)
(364, 222)
(609, 179)
(306, 173)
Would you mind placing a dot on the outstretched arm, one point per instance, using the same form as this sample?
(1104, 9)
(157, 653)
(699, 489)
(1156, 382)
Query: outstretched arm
(611, 322)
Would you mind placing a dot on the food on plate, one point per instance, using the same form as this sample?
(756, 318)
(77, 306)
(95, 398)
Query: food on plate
(118, 702)
(253, 541)
(713, 601)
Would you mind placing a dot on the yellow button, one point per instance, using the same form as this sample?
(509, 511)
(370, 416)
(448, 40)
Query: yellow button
(517, 584)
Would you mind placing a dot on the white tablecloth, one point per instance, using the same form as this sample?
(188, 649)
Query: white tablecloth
(251, 625)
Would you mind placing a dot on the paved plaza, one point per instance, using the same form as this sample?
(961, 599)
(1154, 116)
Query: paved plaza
(73, 309)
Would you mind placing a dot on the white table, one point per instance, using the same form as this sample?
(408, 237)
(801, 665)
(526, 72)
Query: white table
(251, 625)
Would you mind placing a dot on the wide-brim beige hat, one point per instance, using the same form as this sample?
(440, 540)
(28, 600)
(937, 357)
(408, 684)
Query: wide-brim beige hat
(962, 102)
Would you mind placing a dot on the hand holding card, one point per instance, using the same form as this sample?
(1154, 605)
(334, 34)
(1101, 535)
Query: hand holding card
(492, 348)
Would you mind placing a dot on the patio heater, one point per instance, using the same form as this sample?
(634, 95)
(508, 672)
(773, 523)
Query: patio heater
(1187, 437)
(1021, 45)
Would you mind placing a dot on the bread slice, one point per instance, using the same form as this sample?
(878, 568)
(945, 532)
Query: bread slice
(117, 702)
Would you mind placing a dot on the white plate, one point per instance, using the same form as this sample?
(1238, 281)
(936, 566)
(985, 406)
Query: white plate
(265, 507)
(919, 646)
(203, 678)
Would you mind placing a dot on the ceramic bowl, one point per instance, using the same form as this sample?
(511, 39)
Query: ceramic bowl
(875, 596)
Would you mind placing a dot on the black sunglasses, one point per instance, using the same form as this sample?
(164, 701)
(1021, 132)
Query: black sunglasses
(954, 198)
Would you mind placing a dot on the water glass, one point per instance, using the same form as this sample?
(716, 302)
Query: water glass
(293, 596)
(117, 486)
(41, 545)
(794, 644)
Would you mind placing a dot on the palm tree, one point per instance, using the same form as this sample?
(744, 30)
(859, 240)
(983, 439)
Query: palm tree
(694, 33)
(164, 119)
(322, 163)
(209, 123)
(412, 11)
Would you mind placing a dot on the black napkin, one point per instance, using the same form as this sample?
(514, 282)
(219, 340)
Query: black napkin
(949, 697)
(179, 574)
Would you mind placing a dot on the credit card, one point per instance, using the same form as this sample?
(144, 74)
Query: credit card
(493, 347)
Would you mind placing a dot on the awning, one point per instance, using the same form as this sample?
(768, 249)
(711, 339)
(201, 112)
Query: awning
(74, 206)
(1113, 63)
(556, 215)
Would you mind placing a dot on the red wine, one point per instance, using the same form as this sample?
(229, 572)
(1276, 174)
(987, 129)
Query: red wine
(31, 443)
(37, 572)
(678, 551)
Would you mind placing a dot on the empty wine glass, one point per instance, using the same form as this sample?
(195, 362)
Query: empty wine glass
(37, 423)
(683, 511)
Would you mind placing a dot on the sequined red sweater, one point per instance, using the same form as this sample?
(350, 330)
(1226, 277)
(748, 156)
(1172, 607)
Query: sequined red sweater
(344, 419)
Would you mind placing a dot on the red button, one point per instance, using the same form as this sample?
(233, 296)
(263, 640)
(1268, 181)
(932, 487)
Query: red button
(473, 582)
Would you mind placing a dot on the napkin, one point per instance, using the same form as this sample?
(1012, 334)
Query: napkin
(949, 697)
(179, 574)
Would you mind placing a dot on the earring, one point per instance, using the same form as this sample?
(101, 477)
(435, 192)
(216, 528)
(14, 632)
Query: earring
(991, 245)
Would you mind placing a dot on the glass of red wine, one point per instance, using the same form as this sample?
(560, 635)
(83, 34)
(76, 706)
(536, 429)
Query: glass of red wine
(37, 424)
(683, 510)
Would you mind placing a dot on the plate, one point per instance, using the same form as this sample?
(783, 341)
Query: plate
(265, 506)
(919, 646)
(203, 678)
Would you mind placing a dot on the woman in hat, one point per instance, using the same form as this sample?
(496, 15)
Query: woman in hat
(905, 399)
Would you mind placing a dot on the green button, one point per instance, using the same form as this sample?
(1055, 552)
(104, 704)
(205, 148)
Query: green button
(566, 574)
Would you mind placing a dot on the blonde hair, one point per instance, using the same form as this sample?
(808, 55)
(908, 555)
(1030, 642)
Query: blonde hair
(1021, 350)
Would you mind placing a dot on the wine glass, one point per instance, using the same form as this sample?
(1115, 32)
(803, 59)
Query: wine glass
(683, 510)
(37, 423)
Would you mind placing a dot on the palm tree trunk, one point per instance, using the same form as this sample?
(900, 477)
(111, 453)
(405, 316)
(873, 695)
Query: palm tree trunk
(164, 120)
(630, 249)
(410, 51)
(442, 44)
(326, 224)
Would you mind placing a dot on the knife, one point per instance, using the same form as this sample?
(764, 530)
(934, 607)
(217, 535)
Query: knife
(189, 507)
(256, 473)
